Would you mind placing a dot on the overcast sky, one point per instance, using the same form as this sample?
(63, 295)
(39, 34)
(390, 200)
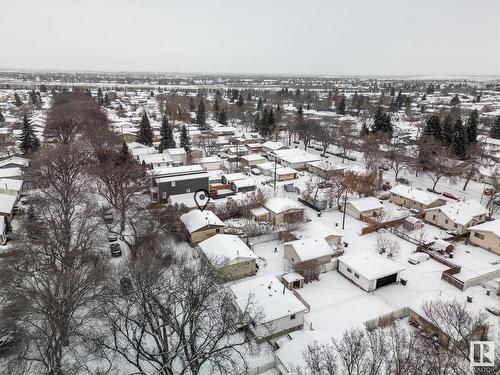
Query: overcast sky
(349, 37)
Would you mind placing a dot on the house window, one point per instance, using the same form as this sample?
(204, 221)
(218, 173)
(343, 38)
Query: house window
(292, 317)
(433, 217)
(163, 195)
(349, 270)
(188, 191)
(479, 235)
(455, 225)
(356, 276)
(217, 230)
(173, 183)
(446, 221)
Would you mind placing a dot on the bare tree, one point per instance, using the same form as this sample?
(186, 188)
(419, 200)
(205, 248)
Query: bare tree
(208, 143)
(460, 326)
(307, 130)
(175, 319)
(388, 245)
(345, 137)
(396, 154)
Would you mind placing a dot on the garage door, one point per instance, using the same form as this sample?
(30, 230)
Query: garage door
(387, 280)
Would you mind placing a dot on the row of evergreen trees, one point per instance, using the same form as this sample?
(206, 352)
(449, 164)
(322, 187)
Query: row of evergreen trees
(167, 141)
(28, 138)
(452, 131)
(382, 123)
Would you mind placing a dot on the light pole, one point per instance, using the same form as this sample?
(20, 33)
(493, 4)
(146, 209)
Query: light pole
(345, 204)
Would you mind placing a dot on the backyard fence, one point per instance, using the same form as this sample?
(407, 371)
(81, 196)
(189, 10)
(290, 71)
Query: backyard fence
(386, 319)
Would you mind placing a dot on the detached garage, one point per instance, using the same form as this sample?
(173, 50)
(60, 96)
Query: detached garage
(369, 272)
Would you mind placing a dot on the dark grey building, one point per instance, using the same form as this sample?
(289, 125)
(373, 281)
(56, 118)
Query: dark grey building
(181, 184)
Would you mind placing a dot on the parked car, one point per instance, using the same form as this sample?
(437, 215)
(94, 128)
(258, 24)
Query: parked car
(112, 237)
(115, 249)
(403, 181)
(255, 171)
(108, 217)
(417, 258)
(449, 195)
(7, 339)
(125, 285)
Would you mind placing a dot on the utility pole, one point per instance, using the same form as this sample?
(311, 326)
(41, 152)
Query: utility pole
(345, 204)
(275, 163)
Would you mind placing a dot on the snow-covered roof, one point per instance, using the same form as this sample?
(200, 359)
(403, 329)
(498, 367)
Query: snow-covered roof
(326, 165)
(17, 160)
(462, 212)
(135, 145)
(311, 248)
(226, 247)
(186, 199)
(316, 230)
(488, 226)
(231, 177)
(142, 151)
(209, 159)
(295, 155)
(182, 177)
(413, 194)
(155, 158)
(253, 157)
(7, 203)
(10, 172)
(176, 151)
(259, 211)
(292, 276)
(366, 204)
(269, 295)
(273, 145)
(371, 267)
(175, 171)
(11, 184)
(246, 182)
(2, 224)
(285, 170)
(281, 204)
(196, 220)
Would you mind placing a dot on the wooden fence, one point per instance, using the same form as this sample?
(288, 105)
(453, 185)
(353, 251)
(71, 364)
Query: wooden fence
(447, 275)
(375, 225)
(386, 319)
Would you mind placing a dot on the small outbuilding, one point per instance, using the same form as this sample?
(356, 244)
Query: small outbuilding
(369, 206)
(369, 272)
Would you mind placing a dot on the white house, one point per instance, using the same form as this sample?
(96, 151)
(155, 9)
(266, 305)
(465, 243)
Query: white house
(178, 155)
(155, 160)
(410, 197)
(457, 216)
(369, 272)
(11, 186)
(252, 160)
(210, 163)
(310, 250)
(281, 311)
(486, 235)
(295, 158)
(369, 206)
(325, 168)
(3, 234)
(271, 146)
(7, 203)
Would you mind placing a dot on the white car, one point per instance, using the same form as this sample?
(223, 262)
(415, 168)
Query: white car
(255, 171)
(417, 258)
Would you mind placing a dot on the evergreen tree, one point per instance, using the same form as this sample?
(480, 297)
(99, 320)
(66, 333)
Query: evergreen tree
(192, 104)
(29, 141)
(433, 127)
(364, 130)
(100, 96)
(240, 102)
(341, 106)
(256, 126)
(2, 118)
(185, 140)
(271, 123)
(300, 111)
(107, 101)
(455, 101)
(264, 123)
(447, 129)
(459, 139)
(43, 88)
(408, 104)
(125, 152)
(166, 135)
(495, 129)
(424, 97)
(145, 134)
(17, 100)
(382, 122)
(259, 104)
(399, 100)
(222, 118)
(393, 91)
(201, 116)
(471, 128)
(393, 107)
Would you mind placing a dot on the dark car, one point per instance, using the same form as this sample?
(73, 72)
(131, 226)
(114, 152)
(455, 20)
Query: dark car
(115, 249)
(126, 285)
(403, 181)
